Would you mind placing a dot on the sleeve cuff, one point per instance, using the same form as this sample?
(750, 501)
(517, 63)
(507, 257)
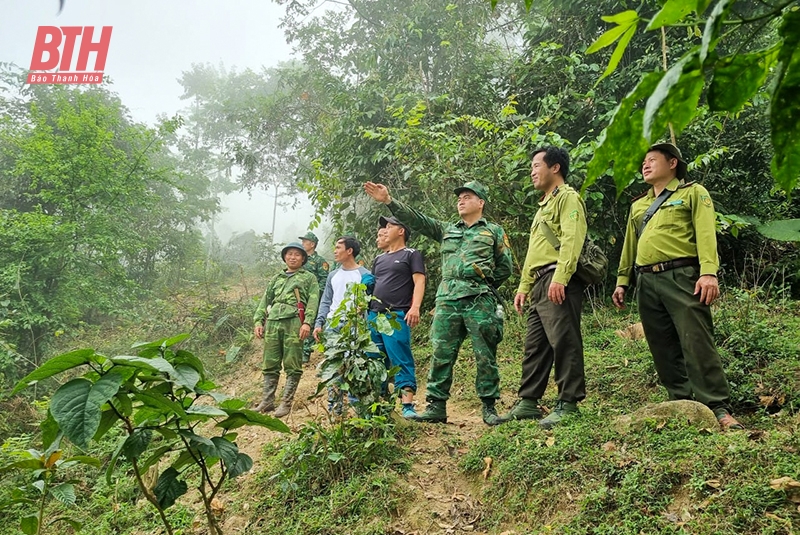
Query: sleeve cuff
(708, 269)
(623, 281)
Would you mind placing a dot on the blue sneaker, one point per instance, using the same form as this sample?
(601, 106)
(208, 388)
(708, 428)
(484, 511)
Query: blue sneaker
(408, 411)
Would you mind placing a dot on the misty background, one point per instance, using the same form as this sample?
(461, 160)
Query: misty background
(152, 44)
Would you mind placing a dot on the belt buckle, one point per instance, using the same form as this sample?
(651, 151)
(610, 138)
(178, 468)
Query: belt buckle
(658, 268)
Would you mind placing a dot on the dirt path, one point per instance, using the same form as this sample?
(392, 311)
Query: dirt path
(443, 500)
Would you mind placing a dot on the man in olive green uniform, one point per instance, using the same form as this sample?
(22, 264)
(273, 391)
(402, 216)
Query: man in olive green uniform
(283, 318)
(317, 266)
(556, 297)
(671, 245)
(476, 260)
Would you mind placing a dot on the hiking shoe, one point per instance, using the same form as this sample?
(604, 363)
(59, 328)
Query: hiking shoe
(435, 412)
(523, 409)
(726, 421)
(562, 410)
(489, 413)
(408, 411)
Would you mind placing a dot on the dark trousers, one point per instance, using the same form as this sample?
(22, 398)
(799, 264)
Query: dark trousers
(680, 333)
(554, 337)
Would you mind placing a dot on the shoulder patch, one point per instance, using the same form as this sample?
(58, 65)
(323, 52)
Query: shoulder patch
(706, 200)
(506, 242)
(574, 215)
(325, 266)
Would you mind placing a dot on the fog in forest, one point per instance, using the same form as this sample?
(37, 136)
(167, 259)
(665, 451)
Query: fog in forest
(152, 43)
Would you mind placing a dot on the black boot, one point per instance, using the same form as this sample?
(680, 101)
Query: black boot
(268, 398)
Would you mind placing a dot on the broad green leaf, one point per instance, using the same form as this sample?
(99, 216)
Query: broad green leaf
(243, 464)
(50, 430)
(674, 100)
(76, 406)
(65, 493)
(169, 488)
(29, 524)
(186, 376)
(206, 410)
(712, 28)
(84, 459)
(122, 402)
(184, 459)
(248, 417)
(607, 38)
(622, 17)
(156, 364)
(673, 11)
(136, 443)
(161, 403)
(54, 366)
(24, 464)
(226, 451)
(383, 326)
(781, 230)
(737, 78)
(184, 357)
(164, 342)
(230, 403)
(197, 439)
(74, 524)
(784, 116)
(619, 51)
(107, 420)
(621, 141)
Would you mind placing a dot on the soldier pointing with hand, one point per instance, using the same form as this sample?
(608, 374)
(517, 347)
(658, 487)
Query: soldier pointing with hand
(476, 260)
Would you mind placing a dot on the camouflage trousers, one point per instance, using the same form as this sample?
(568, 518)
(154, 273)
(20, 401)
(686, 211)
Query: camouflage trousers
(475, 316)
(282, 345)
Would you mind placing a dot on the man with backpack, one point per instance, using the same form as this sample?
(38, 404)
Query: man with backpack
(553, 293)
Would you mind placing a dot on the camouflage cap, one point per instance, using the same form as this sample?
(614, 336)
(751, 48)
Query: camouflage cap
(294, 245)
(675, 152)
(475, 187)
(310, 236)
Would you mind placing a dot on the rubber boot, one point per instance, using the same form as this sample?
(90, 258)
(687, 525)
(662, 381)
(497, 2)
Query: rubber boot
(562, 410)
(268, 398)
(288, 396)
(435, 413)
(489, 413)
(524, 409)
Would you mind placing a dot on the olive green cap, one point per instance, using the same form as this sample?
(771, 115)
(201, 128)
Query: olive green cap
(475, 187)
(294, 245)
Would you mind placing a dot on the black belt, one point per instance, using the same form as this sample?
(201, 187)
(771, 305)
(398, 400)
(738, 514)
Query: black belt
(542, 271)
(668, 265)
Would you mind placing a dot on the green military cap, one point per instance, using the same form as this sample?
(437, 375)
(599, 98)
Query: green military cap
(294, 245)
(675, 152)
(475, 187)
(310, 236)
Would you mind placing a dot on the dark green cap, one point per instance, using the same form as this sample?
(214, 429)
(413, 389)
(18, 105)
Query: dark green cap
(294, 245)
(475, 187)
(675, 152)
(310, 236)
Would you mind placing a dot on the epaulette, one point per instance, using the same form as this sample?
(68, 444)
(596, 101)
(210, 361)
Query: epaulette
(686, 185)
(555, 191)
(639, 196)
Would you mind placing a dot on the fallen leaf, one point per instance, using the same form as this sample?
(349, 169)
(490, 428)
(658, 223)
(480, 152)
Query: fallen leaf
(661, 425)
(488, 462)
(550, 442)
(714, 483)
(609, 446)
(686, 515)
(757, 434)
(784, 483)
(217, 506)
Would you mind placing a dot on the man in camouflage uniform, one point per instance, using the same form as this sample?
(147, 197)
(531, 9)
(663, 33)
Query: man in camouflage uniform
(283, 318)
(671, 245)
(476, 260)
(554, 295)
(317, 266)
